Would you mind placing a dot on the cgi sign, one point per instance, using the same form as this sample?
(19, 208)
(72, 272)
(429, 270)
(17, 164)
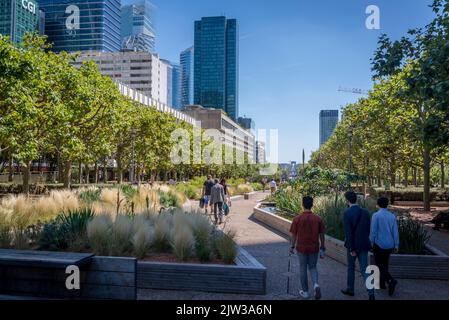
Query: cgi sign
(29, 6)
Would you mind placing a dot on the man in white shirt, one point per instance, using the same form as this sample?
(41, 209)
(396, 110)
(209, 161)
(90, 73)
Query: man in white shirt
(273, 186)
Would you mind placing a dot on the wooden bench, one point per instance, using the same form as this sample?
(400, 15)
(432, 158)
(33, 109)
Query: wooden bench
(43, 274)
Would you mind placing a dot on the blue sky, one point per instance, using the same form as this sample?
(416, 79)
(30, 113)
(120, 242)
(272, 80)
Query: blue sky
(294, 55)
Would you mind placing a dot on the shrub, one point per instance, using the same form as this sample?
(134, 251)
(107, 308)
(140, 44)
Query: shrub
(244, 188)
(51, 237)
(121, 235)
(331, 210)
(142, 240)
(202, 230)
(128, 191)
(412, 236)
(99, 234)
(89, 196)
(5, 231)
(169, 199)
(225, 247)
(182, 243)
(74, 227)
(162, 233)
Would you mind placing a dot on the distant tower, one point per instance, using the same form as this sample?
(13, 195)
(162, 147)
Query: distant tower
(137, 31)
(216, 64)
(328, 123)
(187, 66)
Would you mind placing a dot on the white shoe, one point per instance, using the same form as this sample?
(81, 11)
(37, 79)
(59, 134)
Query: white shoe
(317, 290)
(304, 294)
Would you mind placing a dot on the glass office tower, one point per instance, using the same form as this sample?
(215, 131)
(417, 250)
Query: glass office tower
(187, 64)
(18, 17)
(216, 64)
(138, 33)
(328, 123)
(82, 25)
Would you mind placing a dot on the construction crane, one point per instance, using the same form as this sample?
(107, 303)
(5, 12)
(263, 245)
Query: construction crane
(353, 90)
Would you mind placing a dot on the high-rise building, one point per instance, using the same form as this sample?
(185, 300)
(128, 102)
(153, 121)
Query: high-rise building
(82, 25)
(138, 32)
(216, 64)
(140, 71)
(173, 83)
(187, 67)
(176, 86)
(17, 17)
(328, 123)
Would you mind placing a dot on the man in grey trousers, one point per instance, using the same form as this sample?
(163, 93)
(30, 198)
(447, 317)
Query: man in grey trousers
(217, 198)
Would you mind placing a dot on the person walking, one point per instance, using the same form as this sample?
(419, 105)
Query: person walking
(307, 238)
(273, 186)
(227, 202)
(357, 231)
(206, 192)
(384, 237)
(217, 198)
(264, 183)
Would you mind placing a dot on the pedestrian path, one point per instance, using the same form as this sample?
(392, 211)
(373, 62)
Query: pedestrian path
(271, 249)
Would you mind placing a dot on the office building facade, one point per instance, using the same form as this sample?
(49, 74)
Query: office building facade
(141, 71)
(231, 133)
(187, 69)
(328, 123)
(216, 64)
(137, 30)
(176, 86)
(261, 157)
(83, 25)
(17, 17)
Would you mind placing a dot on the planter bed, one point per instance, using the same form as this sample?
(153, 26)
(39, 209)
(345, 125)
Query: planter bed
(100, 277)
(432, 267)
(247, 276)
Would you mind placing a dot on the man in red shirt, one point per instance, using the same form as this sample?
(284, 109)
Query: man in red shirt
(307, 233)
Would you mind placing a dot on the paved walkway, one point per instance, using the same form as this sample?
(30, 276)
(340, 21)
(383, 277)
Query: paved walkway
(271, 249)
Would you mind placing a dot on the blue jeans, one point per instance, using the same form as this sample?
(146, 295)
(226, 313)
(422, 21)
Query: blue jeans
(308, 261)
(363, 263)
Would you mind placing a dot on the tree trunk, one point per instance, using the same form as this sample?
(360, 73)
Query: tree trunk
(67, 174)
(426, 169)
(105, 172)
(119, 170)
(87, 173)
(96, 173)
(26, 178)
(11, 169)
(80, 173)
(443, 177)
(60, 169)
(406, 177)
(415, 176)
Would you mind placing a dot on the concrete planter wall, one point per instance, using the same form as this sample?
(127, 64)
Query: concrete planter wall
(248, 276)
(434, 267)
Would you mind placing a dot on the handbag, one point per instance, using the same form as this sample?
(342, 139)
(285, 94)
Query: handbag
(226, 208)
(202, 202)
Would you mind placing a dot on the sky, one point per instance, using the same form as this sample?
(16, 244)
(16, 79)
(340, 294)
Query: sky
(294, 55)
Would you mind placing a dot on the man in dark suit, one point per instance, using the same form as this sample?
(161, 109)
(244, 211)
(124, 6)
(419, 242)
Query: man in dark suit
(357, 230)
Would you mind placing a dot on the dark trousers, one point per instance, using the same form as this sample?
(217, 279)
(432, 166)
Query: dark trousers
(218, 210)
(382, 260)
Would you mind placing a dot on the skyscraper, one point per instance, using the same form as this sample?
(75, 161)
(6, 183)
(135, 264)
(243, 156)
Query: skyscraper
(18, 17)
(82, 25)
(187, 66)
(216, 64)
(176, 86)
(328, 123)
(138, 32)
